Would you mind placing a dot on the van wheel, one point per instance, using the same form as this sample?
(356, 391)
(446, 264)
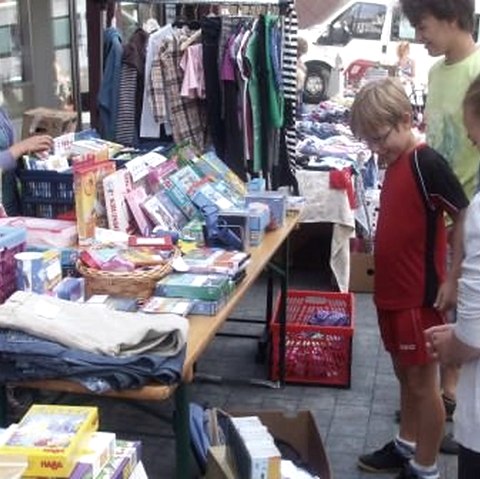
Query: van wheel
(316, 83)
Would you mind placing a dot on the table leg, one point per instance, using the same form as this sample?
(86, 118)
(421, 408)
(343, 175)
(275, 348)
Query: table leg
(182, 432)
(3, 405)
(281, 270)
(283, 308)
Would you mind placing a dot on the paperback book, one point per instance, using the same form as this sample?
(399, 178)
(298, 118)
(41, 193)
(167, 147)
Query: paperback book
(90, 198)
(181, 199)
(116, 186)
(160, 305)
(215, 260)
(186, 179)
(135, 199)
(164, 213)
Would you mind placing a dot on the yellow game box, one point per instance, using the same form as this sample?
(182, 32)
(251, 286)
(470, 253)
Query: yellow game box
(50, 437)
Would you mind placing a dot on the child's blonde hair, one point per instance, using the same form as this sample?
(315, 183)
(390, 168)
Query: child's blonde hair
(403, 49)
(379, 103)
(472, 98)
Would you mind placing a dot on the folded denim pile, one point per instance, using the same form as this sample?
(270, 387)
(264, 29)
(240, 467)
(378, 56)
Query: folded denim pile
(47, 338)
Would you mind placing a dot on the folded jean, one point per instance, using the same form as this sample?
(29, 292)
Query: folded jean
(94, 328)
(26, 357)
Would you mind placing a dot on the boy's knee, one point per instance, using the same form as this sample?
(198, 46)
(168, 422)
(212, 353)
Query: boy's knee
(421, 382)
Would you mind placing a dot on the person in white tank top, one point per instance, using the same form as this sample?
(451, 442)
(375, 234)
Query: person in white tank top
(459, 344)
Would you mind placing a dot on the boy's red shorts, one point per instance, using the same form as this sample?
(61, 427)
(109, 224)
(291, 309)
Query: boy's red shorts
(402, 333)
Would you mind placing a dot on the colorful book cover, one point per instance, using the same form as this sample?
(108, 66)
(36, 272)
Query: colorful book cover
(51, 436)
(181, 199)
(207, 195)
(90, 198)
(158, 214)
(215, 260)
(161, 305)
(126, 457)
(202, 256)
(174, 211)
(210, 165)
(157, 175)
(194, 286)
(116, 186)
(135, 199)
(227, 190)
(186, 179)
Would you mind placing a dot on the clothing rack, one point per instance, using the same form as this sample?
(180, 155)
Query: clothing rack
(94, 9)
(284, 175)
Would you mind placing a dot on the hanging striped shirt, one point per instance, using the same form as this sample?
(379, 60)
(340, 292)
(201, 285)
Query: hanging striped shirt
(289, 74)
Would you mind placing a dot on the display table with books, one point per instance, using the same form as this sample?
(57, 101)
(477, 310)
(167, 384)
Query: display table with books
(272, 251)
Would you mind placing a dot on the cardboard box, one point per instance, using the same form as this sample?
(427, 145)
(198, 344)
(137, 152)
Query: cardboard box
(48, 121)
(298, 430)
(361, 272)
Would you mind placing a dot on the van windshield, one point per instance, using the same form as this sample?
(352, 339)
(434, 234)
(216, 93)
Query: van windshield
(361, 20)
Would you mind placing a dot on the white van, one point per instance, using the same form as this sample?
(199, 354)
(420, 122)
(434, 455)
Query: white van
(360, 30)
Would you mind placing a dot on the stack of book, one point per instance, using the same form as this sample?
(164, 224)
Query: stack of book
(53, 441)
(209, 292)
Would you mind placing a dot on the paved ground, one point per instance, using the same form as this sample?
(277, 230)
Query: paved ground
(351, 420)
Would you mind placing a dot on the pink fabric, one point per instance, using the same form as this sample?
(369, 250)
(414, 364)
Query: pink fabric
(193, 85)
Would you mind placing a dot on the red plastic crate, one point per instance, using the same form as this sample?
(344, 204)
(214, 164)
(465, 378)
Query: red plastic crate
(314, 354)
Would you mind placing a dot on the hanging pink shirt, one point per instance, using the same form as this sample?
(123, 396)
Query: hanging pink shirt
(193, 85)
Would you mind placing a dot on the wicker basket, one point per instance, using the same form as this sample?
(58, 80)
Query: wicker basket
(135, 284)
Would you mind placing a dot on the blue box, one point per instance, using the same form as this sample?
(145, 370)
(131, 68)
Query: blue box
(277, 202)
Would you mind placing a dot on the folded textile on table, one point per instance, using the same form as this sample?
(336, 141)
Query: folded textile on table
(25, 357)
(94, 328)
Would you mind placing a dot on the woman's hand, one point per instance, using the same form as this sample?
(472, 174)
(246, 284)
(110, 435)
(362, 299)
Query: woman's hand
(33, 144)
(439, 341)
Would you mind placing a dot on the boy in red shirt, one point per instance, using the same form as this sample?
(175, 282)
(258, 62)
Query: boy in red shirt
(412, 289)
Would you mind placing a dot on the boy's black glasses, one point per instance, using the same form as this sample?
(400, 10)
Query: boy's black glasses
(379, 140)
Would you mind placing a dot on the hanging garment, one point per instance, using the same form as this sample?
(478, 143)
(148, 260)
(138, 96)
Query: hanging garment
(132, 82)
(211, 27)
(109, 88)
(252, 59)
(267, 137)
(274, 80)
(188, 122)
(149, 128)
(243, 68)
(193, 85)
(289, 73)
(233, 135)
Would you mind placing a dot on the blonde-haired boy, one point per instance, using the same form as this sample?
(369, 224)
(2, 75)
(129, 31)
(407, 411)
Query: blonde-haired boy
(412, 289)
